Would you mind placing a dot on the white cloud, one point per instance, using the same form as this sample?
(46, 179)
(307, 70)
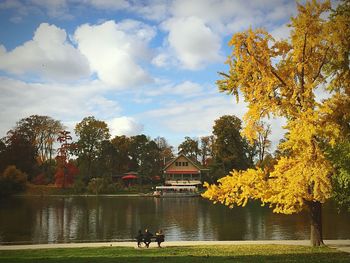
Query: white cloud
(48, 56)
(214, 12)
(161, 60)
(194, 43)
(152, 9)
(69, 103)
(186, 89)
(195, 116)
(227, 16)
(113, 49)
(196, 27)
(281, 32)
(54, 8)
(108, 4)
(124, 126)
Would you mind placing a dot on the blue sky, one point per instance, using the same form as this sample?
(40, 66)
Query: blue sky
(142, 66)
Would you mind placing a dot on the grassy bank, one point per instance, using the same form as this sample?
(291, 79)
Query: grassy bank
(190, 254)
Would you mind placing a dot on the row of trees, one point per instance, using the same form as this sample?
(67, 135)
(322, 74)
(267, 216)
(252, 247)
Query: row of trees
(41, 148)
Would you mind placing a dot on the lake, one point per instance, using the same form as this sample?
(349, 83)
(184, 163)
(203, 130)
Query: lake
(103, 218)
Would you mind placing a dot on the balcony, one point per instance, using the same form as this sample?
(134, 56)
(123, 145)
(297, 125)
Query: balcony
(183, 182)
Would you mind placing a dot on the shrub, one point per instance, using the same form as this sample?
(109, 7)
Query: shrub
(101, 186)
(95, 186)
(12, 181)
(79, 187)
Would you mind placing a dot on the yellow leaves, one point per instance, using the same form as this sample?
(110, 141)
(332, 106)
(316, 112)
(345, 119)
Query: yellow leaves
(309, 129)
(299, 179)
(302, 176)
(237, 188)
(279, 78)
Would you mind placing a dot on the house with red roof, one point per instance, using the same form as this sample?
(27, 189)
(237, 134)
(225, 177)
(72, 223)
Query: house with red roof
(182, 171)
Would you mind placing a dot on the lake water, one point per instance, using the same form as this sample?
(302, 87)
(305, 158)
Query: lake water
(90, 219)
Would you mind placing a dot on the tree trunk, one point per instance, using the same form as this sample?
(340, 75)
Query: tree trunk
(316, 237)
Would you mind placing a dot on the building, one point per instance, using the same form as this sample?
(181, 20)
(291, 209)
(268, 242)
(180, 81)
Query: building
(182, 171)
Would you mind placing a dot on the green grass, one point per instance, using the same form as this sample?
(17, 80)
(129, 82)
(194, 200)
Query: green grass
(189, 254)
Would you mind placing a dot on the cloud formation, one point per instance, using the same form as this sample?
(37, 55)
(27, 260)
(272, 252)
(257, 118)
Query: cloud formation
(113, 50)
(194, 43)
(124, 126)
(196, 115)
(69, 103)
(48, 55)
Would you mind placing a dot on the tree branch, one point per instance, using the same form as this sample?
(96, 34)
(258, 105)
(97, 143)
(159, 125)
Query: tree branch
(271, 68)
(302, 81)
(321, 66)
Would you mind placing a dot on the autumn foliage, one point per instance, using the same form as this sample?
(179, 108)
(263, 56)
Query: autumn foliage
(66, 170)
(64, 176)
(280, 78)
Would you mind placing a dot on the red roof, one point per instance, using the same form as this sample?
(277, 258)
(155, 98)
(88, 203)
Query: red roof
(129, 176)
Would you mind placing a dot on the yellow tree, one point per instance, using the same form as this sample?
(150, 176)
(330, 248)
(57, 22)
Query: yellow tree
(279, 78)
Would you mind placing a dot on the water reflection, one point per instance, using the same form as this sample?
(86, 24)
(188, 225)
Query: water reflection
(77, 219)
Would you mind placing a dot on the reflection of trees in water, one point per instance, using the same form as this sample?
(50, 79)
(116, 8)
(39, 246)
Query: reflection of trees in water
(16, 220)
(69, 219)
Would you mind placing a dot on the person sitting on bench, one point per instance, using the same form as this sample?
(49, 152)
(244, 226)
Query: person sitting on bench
(147, 237)
(139, 238)
(159, 237)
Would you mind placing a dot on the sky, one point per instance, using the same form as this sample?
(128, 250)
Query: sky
(141, 66)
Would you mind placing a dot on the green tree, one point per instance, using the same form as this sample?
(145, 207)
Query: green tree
(340, 158)
(229, 146)
(42, 131)
(190, 148)
(91, 133)
(121, 162)
(17, 150)
(106, 160)
(145, 157)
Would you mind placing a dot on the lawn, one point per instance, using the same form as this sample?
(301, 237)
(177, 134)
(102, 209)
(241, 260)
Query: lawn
(189, 254)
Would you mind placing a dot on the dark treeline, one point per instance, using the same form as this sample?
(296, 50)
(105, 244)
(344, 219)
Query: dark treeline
(42, 150)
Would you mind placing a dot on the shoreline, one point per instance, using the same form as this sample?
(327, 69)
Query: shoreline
(83, 195)
(340, 244)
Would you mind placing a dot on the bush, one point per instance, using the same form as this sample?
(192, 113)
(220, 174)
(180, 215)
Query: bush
(79, 187)
(12, 181)
(95, 186)
(101, 186)
(40, 179)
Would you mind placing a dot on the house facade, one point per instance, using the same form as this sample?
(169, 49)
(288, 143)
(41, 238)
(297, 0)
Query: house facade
(182, 171)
